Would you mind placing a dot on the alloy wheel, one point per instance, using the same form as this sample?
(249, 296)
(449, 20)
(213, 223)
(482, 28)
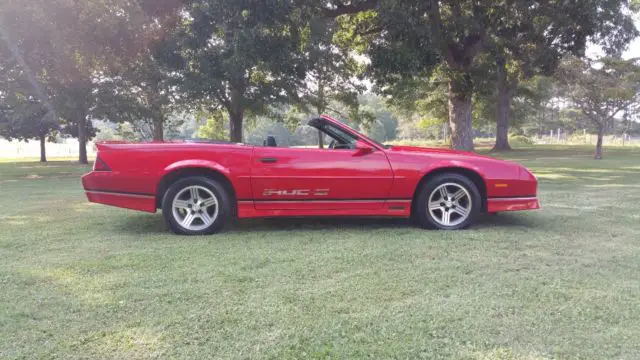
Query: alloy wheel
(450, 204)
(195, 208)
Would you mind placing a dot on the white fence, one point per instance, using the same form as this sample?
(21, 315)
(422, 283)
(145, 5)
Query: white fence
(67, 148)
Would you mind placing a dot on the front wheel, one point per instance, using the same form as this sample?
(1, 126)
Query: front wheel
(196, 205)
(448, 202)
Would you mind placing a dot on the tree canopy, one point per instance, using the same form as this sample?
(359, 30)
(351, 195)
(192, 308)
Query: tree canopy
(602, 91)
(454, 66)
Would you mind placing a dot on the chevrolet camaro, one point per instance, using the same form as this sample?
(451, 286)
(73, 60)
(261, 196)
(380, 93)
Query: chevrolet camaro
(200, 186)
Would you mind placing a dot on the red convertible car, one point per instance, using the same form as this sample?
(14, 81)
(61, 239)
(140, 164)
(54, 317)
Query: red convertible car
(201, 186)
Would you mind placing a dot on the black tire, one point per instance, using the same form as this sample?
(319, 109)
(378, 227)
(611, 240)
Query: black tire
(424, 216)
(223, 204)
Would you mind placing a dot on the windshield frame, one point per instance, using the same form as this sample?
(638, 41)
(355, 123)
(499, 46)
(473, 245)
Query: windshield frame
(327, 119)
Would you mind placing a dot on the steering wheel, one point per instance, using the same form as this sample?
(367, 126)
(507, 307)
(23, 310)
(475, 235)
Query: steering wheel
(334, 145)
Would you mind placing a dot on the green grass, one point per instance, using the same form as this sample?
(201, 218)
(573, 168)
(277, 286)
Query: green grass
(79, 280)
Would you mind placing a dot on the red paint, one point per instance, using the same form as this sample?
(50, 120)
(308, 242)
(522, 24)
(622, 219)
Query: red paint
(128, 201)
(344, 173)
(395, 208)
(270, 181)
(512, 204)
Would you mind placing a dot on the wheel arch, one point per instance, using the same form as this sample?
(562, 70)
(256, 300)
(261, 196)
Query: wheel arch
(469, 173)
(179, 172)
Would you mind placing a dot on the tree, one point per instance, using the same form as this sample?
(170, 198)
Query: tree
(382, 114)
(409, 39)
(602, 90)
(64, 45)
(141, 92)
(532, 42)
(23, 117)
(333, 72)
(417, 37)
(213, 127)
(244, 59)
(331, 79)
(420, 101)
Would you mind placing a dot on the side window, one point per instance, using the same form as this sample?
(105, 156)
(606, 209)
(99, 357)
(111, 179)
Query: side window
(326, 136)
(339, 139)
(306, 136)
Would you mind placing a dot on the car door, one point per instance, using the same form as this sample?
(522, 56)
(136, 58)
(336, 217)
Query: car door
(312, 178)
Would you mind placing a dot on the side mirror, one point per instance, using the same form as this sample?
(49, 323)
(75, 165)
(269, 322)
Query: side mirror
(363, 148)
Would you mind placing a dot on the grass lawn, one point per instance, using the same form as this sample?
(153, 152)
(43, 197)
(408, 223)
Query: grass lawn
(88, 281)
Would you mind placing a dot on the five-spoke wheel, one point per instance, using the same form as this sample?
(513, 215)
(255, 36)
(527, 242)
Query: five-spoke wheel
(447, 201)
(450, 204)
(196, 205)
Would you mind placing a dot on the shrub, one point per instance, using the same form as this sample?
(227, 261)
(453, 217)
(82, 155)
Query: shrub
(521, 139)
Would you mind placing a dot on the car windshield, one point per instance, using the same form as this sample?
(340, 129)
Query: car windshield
(314, 124)
(369, 139)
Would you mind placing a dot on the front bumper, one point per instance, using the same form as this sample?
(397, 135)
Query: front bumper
(495, 205)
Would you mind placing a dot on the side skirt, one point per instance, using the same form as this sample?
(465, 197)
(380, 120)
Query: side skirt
(393, 208)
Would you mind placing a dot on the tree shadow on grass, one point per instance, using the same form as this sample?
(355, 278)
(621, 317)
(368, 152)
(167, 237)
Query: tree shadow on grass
(146, 224)
(585, 176)
(505, 220)
(318, 224)
(141, 224)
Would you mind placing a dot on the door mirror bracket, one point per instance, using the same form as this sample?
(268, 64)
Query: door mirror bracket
(363, 148)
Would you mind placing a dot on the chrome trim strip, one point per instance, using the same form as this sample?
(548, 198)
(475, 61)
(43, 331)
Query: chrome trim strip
(514, 198)
(323, 201)
(120, 194)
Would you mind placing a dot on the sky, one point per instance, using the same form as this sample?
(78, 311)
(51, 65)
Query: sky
(633, 50)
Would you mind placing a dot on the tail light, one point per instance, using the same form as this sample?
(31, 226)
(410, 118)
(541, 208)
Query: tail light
(100, 165)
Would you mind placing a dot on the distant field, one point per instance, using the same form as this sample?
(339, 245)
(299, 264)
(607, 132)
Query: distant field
(544, 142)
(31, 150)
(84, 281)
(68, 149)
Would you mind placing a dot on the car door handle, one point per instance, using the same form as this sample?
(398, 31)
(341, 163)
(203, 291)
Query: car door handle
(268, 160)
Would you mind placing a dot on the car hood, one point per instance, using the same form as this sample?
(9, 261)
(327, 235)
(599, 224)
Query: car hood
(480, 163)
(436, 151)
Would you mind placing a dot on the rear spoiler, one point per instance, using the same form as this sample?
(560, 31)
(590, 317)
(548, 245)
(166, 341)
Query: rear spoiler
(104, 145)
(112, 145)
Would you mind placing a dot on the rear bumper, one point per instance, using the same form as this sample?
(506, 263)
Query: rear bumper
(96, 194)
(495, 205)
(128, 201)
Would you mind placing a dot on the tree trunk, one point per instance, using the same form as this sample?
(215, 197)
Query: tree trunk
(158, 129)
(460, 94)
(598, 154)
(236, 112)
(320, 108)
(43, 149)
(321, 105)
(505, 94)
(82, 136)
(235, 126)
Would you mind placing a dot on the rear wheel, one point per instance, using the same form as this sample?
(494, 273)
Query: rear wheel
(448, 202)
(196, 205)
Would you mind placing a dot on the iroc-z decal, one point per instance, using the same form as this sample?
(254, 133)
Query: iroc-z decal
(295, 192)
